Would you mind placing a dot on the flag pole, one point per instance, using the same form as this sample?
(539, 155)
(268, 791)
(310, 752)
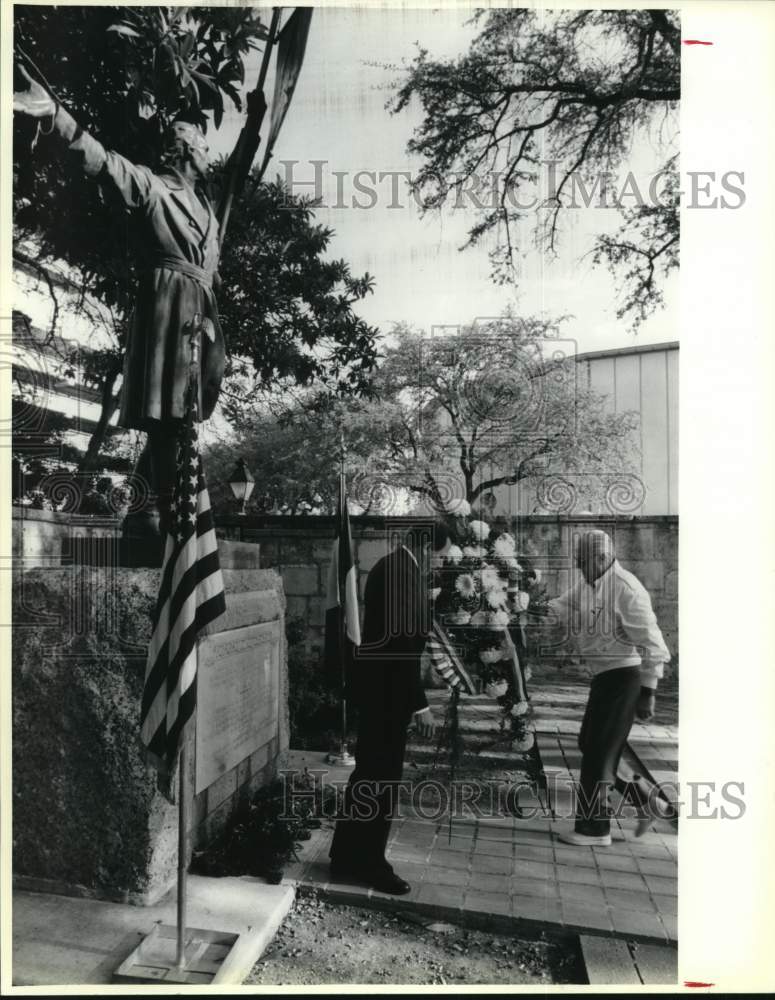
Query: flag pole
(343, 599)
(194, 388)
(237, 166)
(343, 757)
(180, 959)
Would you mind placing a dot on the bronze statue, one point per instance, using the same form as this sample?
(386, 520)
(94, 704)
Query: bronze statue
(177, 275)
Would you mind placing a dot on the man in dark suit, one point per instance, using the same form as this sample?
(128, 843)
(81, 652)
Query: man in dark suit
(387, 688)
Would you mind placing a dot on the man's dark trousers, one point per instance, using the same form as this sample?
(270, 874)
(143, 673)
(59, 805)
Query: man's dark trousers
(387, 687)
(609, 715)
(371, 797)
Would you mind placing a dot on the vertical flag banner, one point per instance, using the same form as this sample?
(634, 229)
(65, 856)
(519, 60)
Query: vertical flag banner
(291, 46)
(191, 596)
(290, 55)
(343, 629)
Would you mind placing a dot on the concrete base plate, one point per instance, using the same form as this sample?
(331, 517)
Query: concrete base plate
(64, 941)
(155, 958)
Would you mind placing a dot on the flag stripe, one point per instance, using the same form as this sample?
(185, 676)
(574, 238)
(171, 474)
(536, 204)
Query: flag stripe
(446, 662)
(186, 677)
(179, 584)
(348, 579)
(190, 584)
(343, 629)
(186, 709)
(352, 620)
(170, 582)
(165, 669)
(332, 580)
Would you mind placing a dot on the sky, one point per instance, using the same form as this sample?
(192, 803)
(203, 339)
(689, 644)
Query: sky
(338, 116)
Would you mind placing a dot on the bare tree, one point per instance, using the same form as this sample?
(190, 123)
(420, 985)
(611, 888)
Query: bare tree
(574, 88)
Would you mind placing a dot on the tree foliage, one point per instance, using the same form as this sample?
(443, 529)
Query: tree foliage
(495, 405)
(572, 88)
(186, 59)
(295, 456)
(287, 308)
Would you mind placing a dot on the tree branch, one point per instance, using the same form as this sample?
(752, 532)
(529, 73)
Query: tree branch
(23, 258)
(669, 32)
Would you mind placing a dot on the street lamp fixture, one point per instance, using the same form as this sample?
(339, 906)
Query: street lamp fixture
(242, 483)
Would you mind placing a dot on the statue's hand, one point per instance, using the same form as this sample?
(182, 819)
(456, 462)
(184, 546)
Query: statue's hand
(257, 104)
(35, 102)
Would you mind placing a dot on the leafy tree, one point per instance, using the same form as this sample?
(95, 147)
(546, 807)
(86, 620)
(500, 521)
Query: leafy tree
(448, 417)
(294, 456)
(124, 73)
(288, 309)
(490, 407)
(187, 59)
(570, 88)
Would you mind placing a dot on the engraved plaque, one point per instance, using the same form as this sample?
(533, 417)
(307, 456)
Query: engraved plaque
(238, 700)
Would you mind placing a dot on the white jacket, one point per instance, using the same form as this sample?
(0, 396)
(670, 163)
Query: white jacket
(611, 623)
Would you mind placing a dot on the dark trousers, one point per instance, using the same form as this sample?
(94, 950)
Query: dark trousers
(608, 718)
(156, 467)
(371, 795)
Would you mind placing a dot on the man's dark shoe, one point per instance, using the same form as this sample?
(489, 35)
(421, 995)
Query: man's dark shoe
(390, 883)
(381, 879)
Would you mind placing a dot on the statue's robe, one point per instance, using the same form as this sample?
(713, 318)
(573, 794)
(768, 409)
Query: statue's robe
(180, 250)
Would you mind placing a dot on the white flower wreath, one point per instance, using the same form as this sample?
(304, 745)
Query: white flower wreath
(465, 585)
(491, 655)
(504, 546)
(524, 744)
(480, 530)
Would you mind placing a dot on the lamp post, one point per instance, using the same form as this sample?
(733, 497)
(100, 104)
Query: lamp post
(242, 483)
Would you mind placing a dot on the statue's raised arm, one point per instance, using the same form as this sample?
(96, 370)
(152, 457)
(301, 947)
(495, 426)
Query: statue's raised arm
(131, 181)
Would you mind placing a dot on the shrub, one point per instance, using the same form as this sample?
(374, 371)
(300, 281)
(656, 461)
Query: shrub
(260, 838)
(314, 698)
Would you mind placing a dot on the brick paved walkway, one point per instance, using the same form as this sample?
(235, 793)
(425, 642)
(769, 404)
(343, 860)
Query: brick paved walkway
(501, 872)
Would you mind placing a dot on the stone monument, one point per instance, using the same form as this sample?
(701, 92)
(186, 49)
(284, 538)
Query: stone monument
(88, 818)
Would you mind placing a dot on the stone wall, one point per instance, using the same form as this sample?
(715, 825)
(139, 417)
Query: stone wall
(48, 538)
(88, 818)
(300, 549)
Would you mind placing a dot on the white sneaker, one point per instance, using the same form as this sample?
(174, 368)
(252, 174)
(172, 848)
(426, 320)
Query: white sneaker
(586, 839)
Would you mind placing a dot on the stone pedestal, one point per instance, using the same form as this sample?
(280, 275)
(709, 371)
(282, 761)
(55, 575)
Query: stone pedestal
(87, 816)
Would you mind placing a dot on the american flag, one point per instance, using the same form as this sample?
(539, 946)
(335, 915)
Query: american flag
(446, 662)
(191, 596)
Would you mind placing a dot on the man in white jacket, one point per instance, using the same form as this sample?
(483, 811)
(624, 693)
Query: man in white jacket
(608, 617)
